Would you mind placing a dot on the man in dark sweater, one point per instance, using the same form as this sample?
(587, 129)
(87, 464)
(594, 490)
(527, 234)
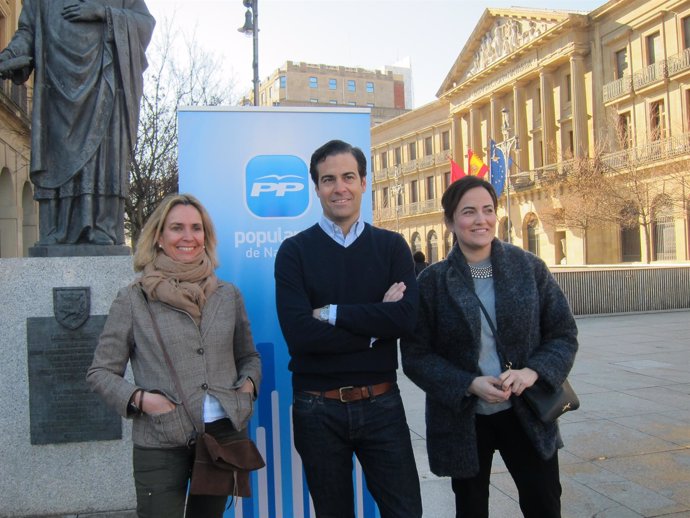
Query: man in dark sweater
(345, 292)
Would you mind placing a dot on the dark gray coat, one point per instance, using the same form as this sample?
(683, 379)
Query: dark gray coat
(537, 330)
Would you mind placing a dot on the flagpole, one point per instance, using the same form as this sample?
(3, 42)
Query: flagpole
(506, 146)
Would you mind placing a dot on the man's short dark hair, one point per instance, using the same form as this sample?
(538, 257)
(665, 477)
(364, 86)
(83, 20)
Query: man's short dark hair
(451, 198)
(419, 257)
(336, 147)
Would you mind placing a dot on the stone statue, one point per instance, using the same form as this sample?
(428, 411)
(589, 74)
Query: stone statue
(88, 57)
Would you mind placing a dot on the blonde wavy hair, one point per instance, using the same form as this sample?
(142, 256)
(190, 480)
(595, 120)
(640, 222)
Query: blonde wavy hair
(146, 251)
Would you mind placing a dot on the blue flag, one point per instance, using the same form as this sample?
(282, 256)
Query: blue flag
(497, 167)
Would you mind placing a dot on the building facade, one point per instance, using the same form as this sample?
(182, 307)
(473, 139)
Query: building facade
(306, 84)
(600, 96)
(18, 211)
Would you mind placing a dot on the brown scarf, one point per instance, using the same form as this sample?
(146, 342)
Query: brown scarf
(185, 286)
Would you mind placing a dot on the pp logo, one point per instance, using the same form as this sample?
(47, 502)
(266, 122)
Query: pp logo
(277, 186)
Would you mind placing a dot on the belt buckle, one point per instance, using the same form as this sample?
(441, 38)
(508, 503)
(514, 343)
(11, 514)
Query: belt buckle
(340, 392)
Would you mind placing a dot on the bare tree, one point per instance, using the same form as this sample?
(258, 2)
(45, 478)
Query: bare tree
(180, 73)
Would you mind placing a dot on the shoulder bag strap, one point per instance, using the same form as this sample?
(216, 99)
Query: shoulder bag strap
(499, 344)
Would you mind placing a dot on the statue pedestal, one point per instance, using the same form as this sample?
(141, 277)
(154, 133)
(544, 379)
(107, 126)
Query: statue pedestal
(70, 468)
(79, 250)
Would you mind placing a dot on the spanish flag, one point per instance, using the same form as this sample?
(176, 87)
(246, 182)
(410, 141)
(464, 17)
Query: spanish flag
(475, 165)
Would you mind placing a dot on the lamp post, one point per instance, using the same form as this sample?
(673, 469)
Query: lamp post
(251, 28)
(506, 146)
(396, 189)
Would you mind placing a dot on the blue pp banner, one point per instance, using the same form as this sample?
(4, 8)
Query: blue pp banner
(250, 169)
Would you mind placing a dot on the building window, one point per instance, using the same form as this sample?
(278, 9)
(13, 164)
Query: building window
(412, 149)
(283, 81)
(653, 48)
(568, 89)
(384, 201)
(370, 87)
(537, 100)
(657, 120)
(332, 84)
(445, 141)
(351, 87)
(428, 146)
(686, 32)
(397, 154)
(414, 191)
(430, 194)
(384, 160)
(313, 82)
(373, 199)
(624, 130)
(571, 143)
(532, 237)
(621, 62)
(446, 180)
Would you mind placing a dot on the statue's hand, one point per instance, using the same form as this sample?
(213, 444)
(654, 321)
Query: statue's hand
(84, 11)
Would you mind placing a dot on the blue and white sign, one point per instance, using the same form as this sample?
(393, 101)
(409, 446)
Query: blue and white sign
(249, 167)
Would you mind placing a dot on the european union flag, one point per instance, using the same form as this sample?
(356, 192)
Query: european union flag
(497, 167)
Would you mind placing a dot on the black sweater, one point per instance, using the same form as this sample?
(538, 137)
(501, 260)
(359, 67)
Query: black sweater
(312, 270)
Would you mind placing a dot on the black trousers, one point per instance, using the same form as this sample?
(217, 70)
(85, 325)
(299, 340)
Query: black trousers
(161, 476)
(537, 480)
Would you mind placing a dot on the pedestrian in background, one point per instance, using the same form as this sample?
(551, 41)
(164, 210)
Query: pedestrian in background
(419, 262)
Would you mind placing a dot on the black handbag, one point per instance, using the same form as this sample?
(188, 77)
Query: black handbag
(546, 403)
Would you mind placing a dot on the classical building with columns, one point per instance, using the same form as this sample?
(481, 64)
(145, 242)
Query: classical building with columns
(18, 211)
(608, 89)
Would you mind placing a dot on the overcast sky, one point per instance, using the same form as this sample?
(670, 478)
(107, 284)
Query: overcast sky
(356, 33)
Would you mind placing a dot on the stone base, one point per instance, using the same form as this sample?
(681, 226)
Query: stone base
(55, 479)
(82, 250)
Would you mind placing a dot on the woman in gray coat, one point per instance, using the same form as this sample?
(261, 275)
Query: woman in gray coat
(473, 403)
(205, 330)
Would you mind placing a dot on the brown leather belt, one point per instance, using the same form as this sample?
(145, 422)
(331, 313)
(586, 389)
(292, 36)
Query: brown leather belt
(349, 394)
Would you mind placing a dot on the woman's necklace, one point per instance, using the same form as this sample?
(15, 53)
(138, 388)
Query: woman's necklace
(481, 272)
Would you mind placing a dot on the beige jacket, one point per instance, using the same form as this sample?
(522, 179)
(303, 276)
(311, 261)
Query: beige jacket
(216, 358)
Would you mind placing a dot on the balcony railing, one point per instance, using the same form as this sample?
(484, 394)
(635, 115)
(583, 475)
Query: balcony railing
(662, 149)
(679, 62)
(647, 76)
(407, 209)
(618, 88)
(650, 74)
(17, 96)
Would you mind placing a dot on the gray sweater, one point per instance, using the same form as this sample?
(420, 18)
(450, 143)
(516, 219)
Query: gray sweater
(536, 328)
(216, 357)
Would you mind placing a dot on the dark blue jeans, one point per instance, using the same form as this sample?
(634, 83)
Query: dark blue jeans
(537, 480)
(328, 432)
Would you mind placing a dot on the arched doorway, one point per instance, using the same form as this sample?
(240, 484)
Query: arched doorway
(530, 231)
(663, 230)
(8, 216)
(631, 249)
(431, 247)
(29, 220)
(416, 242)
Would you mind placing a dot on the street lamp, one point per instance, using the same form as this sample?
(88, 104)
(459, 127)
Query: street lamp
(396, 189)
(251, 28)
(506, 146)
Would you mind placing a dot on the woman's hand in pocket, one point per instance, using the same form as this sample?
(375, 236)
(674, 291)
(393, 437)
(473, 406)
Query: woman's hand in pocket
(156, 404)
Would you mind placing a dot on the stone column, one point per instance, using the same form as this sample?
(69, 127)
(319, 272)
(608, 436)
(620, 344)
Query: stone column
(475, 128)
(496, 120)
(548, 117)
(519, 126)
(458, 148)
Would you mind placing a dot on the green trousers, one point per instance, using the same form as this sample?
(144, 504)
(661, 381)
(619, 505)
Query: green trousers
(161, 476)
